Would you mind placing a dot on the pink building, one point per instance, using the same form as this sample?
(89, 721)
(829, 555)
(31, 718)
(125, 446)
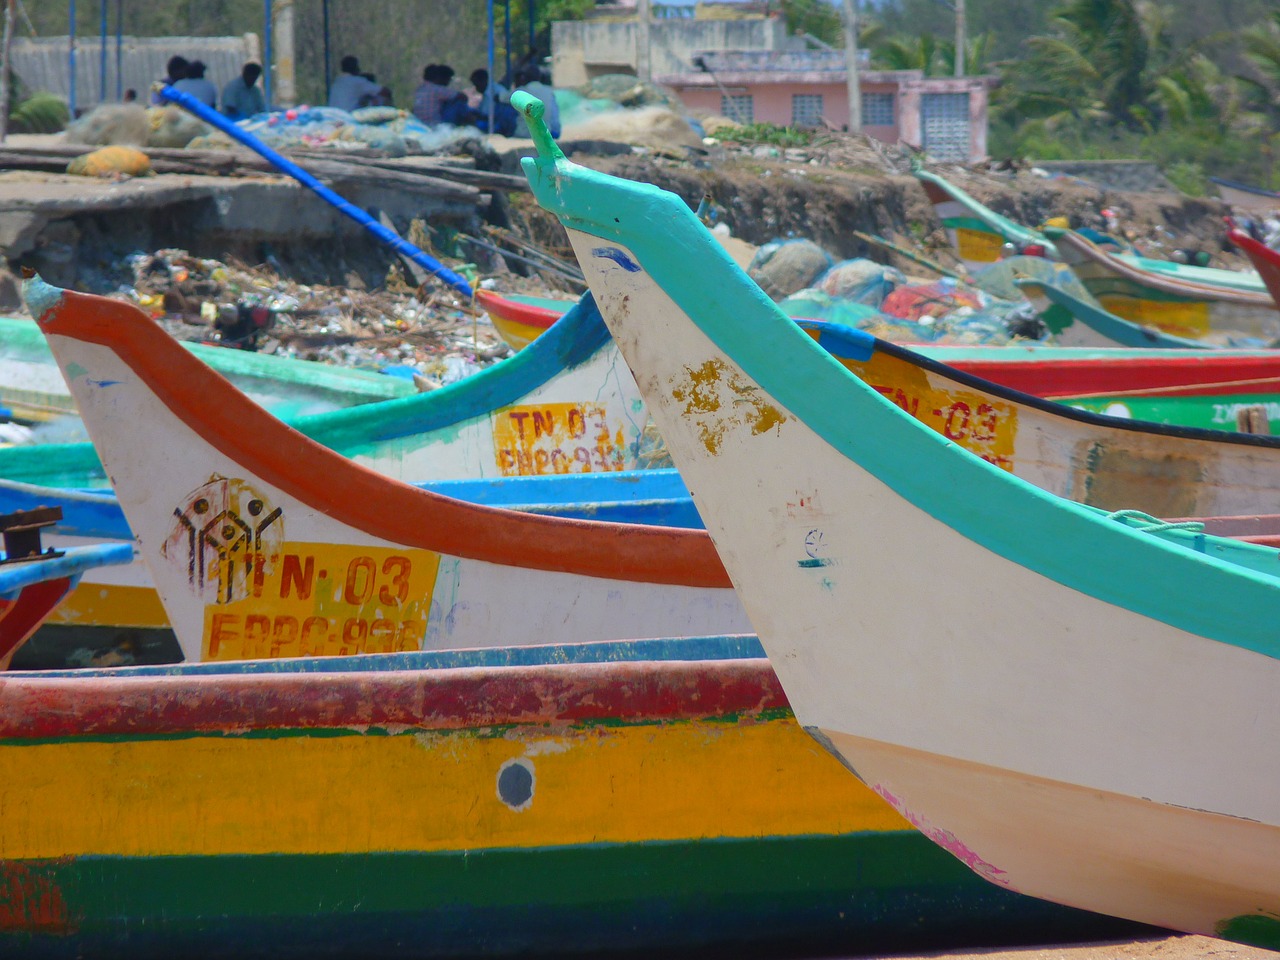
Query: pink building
(945, 116)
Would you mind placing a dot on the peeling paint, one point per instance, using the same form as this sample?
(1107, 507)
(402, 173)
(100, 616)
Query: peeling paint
(30, 898)
(701, 395)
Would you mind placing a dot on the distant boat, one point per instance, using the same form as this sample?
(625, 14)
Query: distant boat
(1246, 197)
(979, 236)
(32, 389)
(1265, 260)
(1078, 705)
(1168, 301)
(1092, 326)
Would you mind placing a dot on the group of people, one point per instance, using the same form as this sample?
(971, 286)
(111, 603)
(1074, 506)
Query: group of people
(240, 98)
(437, 101)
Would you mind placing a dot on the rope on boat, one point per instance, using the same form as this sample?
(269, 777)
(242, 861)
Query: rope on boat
(1149, 524)
(285, 165)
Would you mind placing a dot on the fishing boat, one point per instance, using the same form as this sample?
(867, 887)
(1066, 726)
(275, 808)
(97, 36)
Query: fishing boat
(262, 543)
(566, 405)
(520, 319)
(981, 237)
(33, 390)
(1101, 460)
(1246, 197)
(1178, 306)
(1093, 326)
(1265, 260)
(650, 796)
(1077, 705)
(33, 581)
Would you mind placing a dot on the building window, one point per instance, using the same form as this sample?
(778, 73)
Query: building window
(944, 125)
(806, 109)
(878, 110)
(738, 106)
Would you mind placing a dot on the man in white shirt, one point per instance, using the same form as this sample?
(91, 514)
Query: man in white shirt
(241, 97)
(530, 80)
(350, 91)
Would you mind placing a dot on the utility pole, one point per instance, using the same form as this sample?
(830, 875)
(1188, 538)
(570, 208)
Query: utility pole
(4, 69)
(285, 65)
(644, 62)
(960, 38)
(851, 65)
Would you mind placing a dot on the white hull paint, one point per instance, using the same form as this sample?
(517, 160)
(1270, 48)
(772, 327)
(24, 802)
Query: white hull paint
(1000, 668)
(471, 603)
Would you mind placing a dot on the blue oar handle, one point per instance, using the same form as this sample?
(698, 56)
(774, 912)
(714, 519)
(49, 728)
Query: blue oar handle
(284, 164)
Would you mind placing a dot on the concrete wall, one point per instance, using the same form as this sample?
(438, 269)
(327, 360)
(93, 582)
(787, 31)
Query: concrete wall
(42, 63)
(583, 49)
(771, 99)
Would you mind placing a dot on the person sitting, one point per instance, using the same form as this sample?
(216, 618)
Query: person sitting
(351, 91)
(380, 99)
(436, 102)
(492, 95)
(529, 79)
(175, 70)
(194, 84)
(241, 97)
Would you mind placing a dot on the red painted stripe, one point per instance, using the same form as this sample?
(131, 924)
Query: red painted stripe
(368, 501)
(527, 313)
(1265, 260)
(21, 618)
(1200, 375)
(431, 699)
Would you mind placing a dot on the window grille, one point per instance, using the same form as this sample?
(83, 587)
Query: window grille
(806, 109)
(738, 106)
(878, 110)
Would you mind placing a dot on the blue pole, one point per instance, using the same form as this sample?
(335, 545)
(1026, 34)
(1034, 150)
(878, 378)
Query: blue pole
(119, 49)
(266, 51)
(102, 56)
(233, 130)
(506, 24)
(71, 60)
(532, 30)
(327, 65)
(489, 8)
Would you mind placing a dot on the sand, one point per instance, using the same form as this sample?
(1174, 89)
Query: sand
(1157, 948)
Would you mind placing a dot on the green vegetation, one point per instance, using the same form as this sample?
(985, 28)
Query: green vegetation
(769, 134)
(1112, 79)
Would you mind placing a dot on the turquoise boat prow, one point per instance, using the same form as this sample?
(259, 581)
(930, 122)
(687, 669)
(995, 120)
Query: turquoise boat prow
(970, 683)
(1108, 329)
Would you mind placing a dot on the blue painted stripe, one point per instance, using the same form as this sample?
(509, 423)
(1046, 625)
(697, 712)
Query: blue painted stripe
(732, 647)
(652, 497)
(1055, 538)
(72, 563)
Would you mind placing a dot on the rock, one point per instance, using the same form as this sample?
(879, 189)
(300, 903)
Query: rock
(785, 266)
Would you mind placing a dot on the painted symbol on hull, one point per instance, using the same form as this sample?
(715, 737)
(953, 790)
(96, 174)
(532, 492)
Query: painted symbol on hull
(516, 783)
(220, 530)
(815, 546)
(617, 256)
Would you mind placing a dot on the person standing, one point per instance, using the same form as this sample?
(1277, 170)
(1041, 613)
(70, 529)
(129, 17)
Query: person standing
(350, 91)
(241, 97)
(195, 84)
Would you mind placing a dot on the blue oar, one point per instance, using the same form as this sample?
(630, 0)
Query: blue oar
(283, 163)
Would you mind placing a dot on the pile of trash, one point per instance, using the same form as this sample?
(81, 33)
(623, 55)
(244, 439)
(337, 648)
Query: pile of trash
(429, 333)
(806, 281)
(397, 132)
